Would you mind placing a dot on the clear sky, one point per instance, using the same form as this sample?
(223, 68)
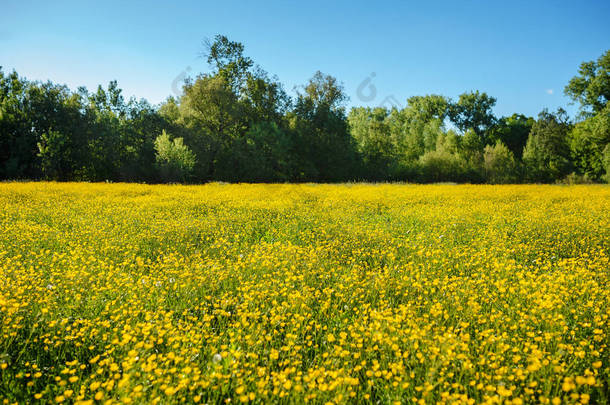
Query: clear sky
(521, 52)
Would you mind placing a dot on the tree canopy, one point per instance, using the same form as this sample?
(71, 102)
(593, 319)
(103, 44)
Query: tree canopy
(235, 122)
(591, 87)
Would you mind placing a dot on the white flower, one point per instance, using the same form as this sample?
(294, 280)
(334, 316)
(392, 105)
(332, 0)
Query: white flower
(217, 358)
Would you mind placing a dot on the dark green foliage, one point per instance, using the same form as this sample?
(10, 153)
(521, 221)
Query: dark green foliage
(441, 165)
(263, 155)
(588, 140)
(512, 132)
(370, 129)
(591, 88)
(471, 148)
(175, 160)
(546, 154)
(474, 111)
(236, 123)
(322, 137)
(500, 165)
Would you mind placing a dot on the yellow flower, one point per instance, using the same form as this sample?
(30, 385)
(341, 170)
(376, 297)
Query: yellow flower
(568, 385)
(305, 293)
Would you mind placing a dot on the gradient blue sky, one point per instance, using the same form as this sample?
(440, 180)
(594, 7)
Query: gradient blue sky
(521, 52)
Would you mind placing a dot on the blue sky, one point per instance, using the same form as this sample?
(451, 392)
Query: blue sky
(521, 52)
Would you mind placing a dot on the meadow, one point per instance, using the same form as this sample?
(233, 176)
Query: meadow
(353, 293)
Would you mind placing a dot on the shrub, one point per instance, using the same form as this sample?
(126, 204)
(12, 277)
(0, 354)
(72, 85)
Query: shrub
(174, 159)
(575, 178)
(499, 164)
(440, 165)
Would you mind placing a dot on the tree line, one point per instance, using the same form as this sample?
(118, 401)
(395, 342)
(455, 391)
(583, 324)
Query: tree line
(238, 124)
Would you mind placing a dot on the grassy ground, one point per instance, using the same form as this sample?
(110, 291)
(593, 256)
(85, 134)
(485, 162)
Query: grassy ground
(294, 293)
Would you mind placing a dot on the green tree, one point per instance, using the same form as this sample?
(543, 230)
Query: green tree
(591, 87)
(105, 116)
(31, 111)
(323, 143)
(433, 132)
(443, 163)
(440, 165)
(513, 132)
(473, 111)
(263, 98)
(211, 111)
(427, 108)
(415, 128)
(471, 150)
(53, 152)
(370, 130)
(264, 154)
(18, 143)
(499, 163)
(547, 155)
(138, 154)
(170, 110)
(218, 111)
(175, 160)
(229, 62)
(588, 139)
(471, 147)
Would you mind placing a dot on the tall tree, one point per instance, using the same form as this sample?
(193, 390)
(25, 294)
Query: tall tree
(414, 128)
(175, 160)
(220, 108)
(227, 60)
(321, 126)
(591, 87)
(473, 111)
(588, 140)
(500, 165)
(370, 130)
(512, 132)
(471, 148)
(427, 108)
(18, 145)
(211, 110)
(264, 96)
(546, 154)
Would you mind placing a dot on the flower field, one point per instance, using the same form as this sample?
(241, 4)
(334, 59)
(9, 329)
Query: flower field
(117, 293)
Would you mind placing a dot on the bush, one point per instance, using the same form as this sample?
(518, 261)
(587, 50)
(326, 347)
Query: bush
(499, 164)
(174, 159)
(440, 165)
(575, 178)
(587, 142)
(546, 154)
